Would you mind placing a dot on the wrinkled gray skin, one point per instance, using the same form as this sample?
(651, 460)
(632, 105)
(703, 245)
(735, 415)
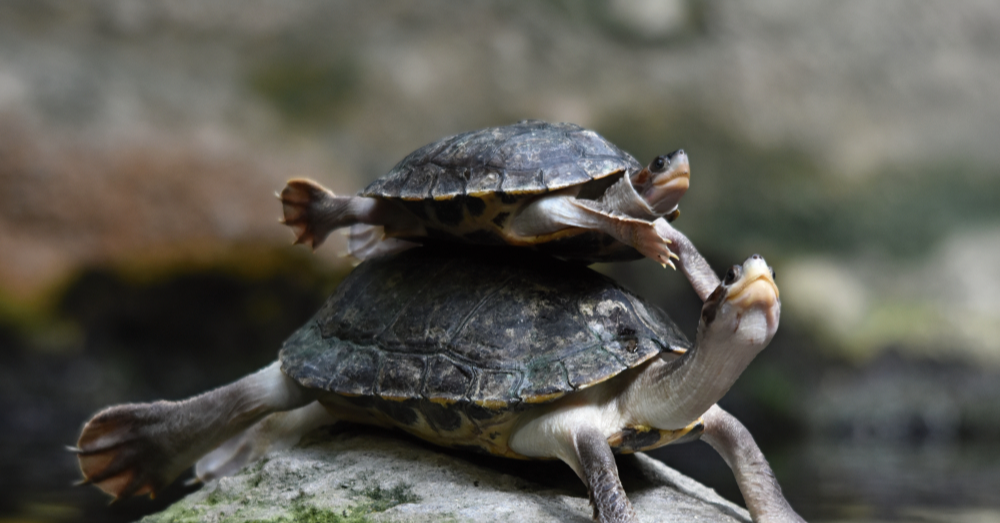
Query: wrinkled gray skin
(140, 448)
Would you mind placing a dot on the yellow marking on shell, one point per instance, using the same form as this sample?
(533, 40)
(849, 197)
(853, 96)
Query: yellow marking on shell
(543, 398)
(395, 398)
(442, 401)
(544, 238)
(351, 394)
(666, 436)
(469, 432)
(482, 194)
(616, 439)
(492, 404)
(601, 380)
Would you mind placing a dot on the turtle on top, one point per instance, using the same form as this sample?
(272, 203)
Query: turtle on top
(517, 354)
(559, 188)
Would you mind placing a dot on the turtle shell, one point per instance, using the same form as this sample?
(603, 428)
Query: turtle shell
(482, 327)
(529, 157)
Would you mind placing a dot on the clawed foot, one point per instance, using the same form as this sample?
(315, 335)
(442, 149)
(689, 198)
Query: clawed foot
(301, 200)
(651, 243)
(118, 451)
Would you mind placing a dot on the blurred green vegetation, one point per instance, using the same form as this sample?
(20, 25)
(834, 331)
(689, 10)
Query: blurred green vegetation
(305, 88)
(600, 14)
(747, 198)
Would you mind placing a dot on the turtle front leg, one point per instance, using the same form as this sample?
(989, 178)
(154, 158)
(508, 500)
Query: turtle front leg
(692, 264)
(313, 211)
(140, 448)
(598, 470)
(554, 213)
(754, 476)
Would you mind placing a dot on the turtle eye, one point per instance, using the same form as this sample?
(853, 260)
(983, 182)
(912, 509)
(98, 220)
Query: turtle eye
(773, 275)
(732, 274)
(659, 163)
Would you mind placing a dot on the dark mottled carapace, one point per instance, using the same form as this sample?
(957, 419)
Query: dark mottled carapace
(491, 328)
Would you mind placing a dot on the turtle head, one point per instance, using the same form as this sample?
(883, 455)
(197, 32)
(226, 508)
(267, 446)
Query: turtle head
(744, 309)
(737, 321)
(664, 181)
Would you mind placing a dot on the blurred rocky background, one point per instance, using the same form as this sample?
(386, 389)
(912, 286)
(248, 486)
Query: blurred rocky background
(852, 143)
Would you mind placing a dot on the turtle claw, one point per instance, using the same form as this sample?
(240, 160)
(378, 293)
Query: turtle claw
(119, 453)
(651, 244)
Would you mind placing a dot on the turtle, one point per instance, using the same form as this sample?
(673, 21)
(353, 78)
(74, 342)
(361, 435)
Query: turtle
(557, 187)
(511, 353)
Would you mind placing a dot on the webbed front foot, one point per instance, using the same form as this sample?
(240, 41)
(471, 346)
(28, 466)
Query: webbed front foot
(647, 239)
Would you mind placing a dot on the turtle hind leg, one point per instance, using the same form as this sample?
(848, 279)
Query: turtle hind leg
(278, 431)
(754, 476)
(313, 211)
(140, 448)
(598, 469)
(368, 241)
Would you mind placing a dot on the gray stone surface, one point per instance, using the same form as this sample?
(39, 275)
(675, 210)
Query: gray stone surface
(361, 474)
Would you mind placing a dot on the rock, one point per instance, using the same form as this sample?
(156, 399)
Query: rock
(356, 474)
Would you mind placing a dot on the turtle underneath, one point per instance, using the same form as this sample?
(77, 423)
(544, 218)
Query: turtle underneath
(559, 188)
(506, 352)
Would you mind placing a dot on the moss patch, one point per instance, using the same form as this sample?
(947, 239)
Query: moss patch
(367, 498)
(380, 499)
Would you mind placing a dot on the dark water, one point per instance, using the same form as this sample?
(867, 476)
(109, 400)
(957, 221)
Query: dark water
(862, 481)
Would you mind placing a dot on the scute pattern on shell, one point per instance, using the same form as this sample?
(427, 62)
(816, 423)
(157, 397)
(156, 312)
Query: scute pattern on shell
(528, 157)
(478, 326)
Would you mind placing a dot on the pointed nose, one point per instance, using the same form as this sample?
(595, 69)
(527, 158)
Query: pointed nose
(678, 165)
(756, 268)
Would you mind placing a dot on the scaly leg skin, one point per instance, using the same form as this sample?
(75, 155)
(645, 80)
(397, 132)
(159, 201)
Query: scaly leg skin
(278, 431)
(756, 480)
(313, 211)
(598, 470)
(695, 268)
(554, 213)
(140, 448)
(365, 242)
